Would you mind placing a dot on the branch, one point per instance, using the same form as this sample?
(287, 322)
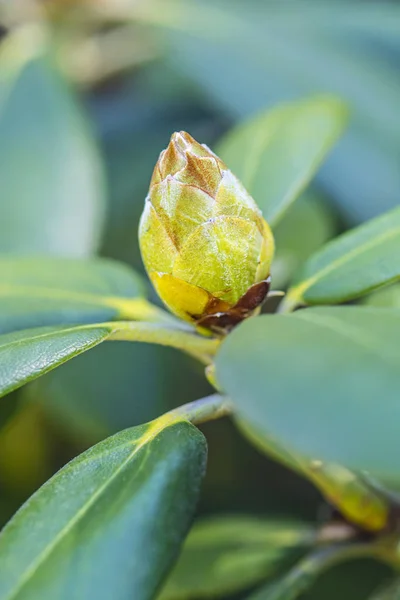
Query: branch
(193, 344)
(204, 410)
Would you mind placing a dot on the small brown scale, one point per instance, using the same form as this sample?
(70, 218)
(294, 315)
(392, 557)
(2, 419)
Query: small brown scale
(222, 323)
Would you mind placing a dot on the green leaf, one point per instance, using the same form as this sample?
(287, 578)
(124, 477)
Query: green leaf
(110, 523)
(276, 153)
(52, 189)
(30, 353)
(322, 382)
(388, 297)
(48, 291)
(306, 226)
(353, 264)
(226, 554)
(349, 492)
(27, 354)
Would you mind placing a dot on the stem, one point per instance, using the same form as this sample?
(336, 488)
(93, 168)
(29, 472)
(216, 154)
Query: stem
(288, 304)
(207, 409)
(294, 297)
(193, 344)
(139, 309)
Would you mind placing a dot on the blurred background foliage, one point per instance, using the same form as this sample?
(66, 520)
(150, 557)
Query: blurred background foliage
(90, 92)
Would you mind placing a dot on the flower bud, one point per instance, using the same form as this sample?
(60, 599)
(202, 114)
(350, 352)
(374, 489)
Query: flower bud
(204, 242)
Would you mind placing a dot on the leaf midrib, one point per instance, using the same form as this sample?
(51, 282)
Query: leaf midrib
(301, 288)
(155, 428)
(54, 331)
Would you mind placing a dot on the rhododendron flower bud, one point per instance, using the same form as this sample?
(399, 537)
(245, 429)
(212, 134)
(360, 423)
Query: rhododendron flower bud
(204, 243)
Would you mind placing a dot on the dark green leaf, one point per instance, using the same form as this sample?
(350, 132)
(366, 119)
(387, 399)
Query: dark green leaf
(30, 353)
(44, 291)
(353, 264)
(306, 226)
(52, 196)
(277, 153)
(226, 554)
(27, 354)
(322, 382)
(110, 523)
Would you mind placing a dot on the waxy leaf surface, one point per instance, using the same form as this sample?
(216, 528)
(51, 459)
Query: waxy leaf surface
(111, 522)
(322, 381)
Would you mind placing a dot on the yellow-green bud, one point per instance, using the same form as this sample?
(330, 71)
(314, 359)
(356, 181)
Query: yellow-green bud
(202, 237)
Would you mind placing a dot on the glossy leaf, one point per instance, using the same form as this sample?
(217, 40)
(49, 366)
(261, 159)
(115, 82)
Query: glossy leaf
(306, 226)
(111, 522)
(227, 554)
(322, 382)
(30, 353)
(27, 354)
(353, 264)
(46, 291)
(276, 153)
(51, 176)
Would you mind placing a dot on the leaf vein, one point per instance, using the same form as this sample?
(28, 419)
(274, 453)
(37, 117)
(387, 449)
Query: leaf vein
(155, 429)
